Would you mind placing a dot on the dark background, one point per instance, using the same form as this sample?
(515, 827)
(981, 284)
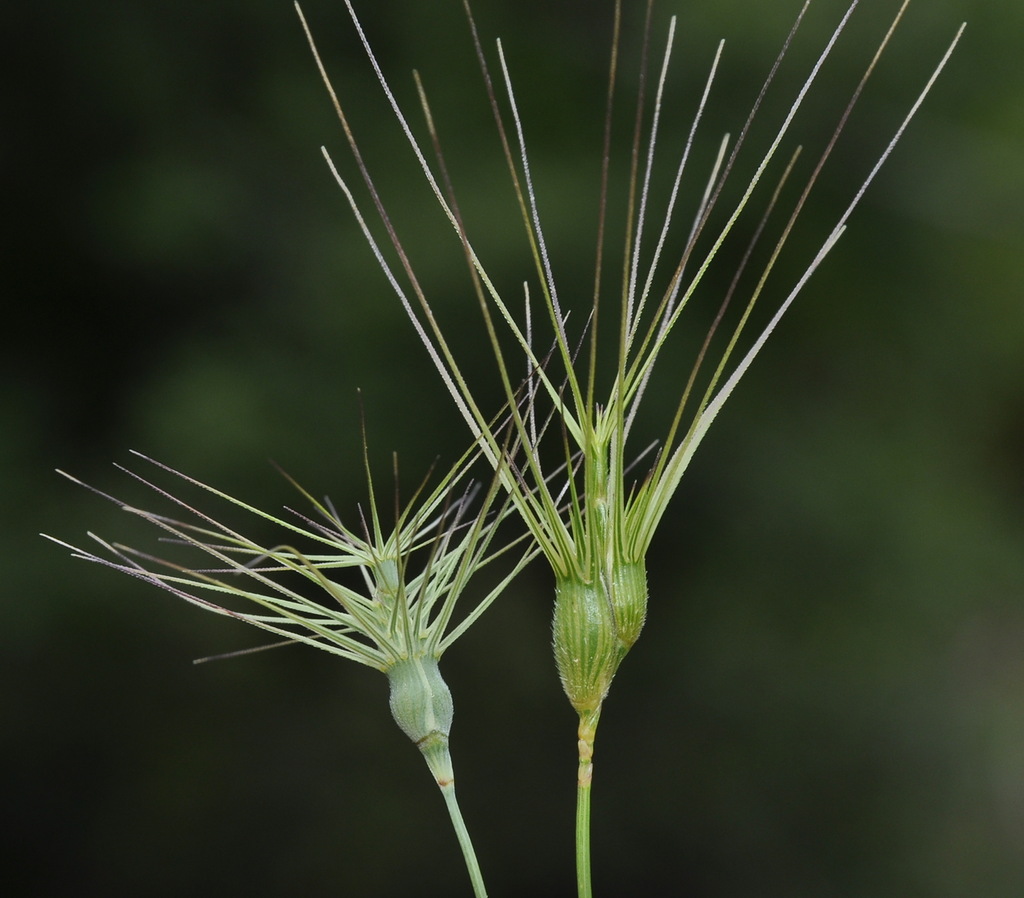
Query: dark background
(827, 699)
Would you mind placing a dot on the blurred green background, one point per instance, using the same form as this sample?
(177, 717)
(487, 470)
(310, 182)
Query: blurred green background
(828, 699)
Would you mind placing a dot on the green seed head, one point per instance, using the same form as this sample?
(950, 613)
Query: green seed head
(421, 704)
(596, 623)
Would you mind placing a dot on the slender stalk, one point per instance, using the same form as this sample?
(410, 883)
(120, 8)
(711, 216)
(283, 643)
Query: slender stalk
(465, 843)
(587, 732)
(583, 887)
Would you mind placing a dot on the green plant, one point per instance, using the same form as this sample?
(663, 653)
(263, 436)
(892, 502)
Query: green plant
(400, 622)
(563, 451)
(596, 542)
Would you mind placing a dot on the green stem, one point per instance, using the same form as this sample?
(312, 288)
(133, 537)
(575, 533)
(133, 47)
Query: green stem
(587, 733)
(583, 886)
(448, 791)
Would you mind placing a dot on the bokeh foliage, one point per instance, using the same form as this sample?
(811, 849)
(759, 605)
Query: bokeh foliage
(826, 700)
